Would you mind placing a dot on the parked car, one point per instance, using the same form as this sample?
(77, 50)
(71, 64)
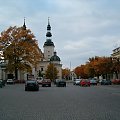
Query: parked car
(31, 85)
(85, 82)
(60, 83)
(76, 82)
(106, 82)
(116, 81)
(93, 82)
(10, 81)
(46, 83)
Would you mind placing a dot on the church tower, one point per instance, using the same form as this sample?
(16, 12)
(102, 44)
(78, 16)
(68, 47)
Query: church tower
(48, 45)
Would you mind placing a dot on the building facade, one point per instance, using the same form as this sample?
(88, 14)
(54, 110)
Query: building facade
(116, 52)
(116, 55)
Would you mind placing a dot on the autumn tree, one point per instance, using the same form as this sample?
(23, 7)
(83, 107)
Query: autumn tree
(51, 72)
(97, 66)
(89, 70)
(77, 71)
(102, 66)
(94, 64)
(19, 47)
(66, 73)
(80, 71)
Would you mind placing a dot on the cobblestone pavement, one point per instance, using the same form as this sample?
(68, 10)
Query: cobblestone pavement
(60, 103)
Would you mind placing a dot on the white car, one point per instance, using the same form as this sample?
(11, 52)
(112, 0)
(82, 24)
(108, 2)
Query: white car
(76, 82)
(10, 81)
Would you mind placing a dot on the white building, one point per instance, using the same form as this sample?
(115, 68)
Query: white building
(50, 55)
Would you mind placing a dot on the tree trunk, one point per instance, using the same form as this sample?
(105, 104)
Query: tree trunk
(116, 73)
(16, 73)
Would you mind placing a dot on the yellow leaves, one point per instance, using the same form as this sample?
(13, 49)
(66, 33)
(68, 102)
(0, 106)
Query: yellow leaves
(51, 72)
(65, 72)
(18, 44)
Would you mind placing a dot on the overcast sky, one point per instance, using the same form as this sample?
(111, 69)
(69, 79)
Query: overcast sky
(80, 28)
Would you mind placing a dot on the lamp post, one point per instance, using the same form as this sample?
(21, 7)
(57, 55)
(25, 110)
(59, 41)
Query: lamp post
(70, 71)
(53, 72)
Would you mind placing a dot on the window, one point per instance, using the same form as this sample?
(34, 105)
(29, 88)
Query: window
(48, 56)
(41, 69)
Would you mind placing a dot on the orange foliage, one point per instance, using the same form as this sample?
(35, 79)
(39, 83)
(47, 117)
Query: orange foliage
(65, 73)
(98, 66)
(80, 71)
(20, 48)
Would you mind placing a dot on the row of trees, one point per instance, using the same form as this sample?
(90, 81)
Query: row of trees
(99, 66)
(95, 67)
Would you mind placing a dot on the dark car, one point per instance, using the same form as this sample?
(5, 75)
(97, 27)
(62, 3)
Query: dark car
(31, 85)
(60, 83)
(106, 82)
(46, 83)
(1, 84)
